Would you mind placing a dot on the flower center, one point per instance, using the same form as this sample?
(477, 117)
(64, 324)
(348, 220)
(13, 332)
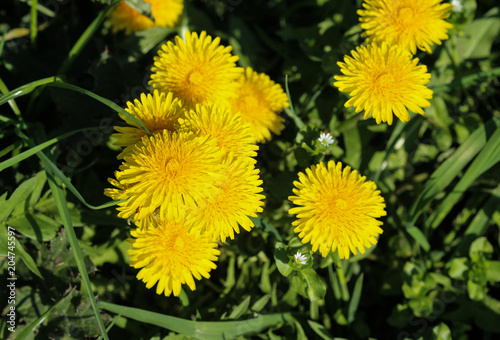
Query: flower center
(405, 18)
(195, 78)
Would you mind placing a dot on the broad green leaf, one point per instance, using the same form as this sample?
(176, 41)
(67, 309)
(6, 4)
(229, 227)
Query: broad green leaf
(458, 268)
(282, 260)
(35, 226)
(201, 329)
(479, 36)
(316, 287)
(441, 332)
(21, 194)
(492, 269)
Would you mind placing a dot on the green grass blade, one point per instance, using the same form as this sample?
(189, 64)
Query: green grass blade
(28, 331)
(201, 329)
(480, 222)
(34, 22)
(57, 82)
(291, 111)
(28, 153)
(85, 38)
(50, 166)
(27, 88)
(103, 100)
(62, 207)
(12, 103)
(395, 136)
(450, 168)
(356, 297)
(489, 156)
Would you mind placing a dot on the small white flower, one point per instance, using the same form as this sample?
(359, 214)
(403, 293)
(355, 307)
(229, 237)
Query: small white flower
(300, 258)
(457, 5)
(326, 139)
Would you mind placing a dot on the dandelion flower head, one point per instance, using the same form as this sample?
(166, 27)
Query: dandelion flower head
(171, 256)
(336, 209)
(164, 12)
(231, 134)
(198, 70)
(237, 197)
(167, 173)
(157, 112)
(384, 80)
(408, 23)
(260, 100)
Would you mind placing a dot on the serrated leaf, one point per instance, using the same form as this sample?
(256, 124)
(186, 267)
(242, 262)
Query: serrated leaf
(19, 195)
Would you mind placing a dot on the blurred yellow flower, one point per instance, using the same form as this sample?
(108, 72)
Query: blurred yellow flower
(157, 112)
(408, 23)
(336, 209)
(227, 129)
(165, 174)
(164, 12)
(168, 254)
(382, 80)
(196, 70)
(259, 101)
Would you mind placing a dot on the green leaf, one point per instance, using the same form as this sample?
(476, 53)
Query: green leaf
(35, 226)
(489, 156)
(441, 332)
(316, 287)
(492, 269)
(282, 260)
(142, 7)
(355, 298)
(261, 303)
(201, 329)
(241, 309)
(458, 268)
(419, 236)
(479, 36)
(450, 168)
(27, 259)
(21, 194)
(320, 330)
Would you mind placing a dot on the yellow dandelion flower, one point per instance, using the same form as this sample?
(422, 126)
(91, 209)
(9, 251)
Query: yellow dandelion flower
(408, 23)
(383, 80)
(197, 70)
(337, 209)
(124, 17)
(259, 102)
(169, 255)
(231, 134)
(237, 197)
(157, 112)
(164, 12)
(166, 173)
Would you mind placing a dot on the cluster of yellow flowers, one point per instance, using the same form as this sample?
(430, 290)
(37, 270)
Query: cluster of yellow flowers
(383, 78)
(337, 209)
(192, 181)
